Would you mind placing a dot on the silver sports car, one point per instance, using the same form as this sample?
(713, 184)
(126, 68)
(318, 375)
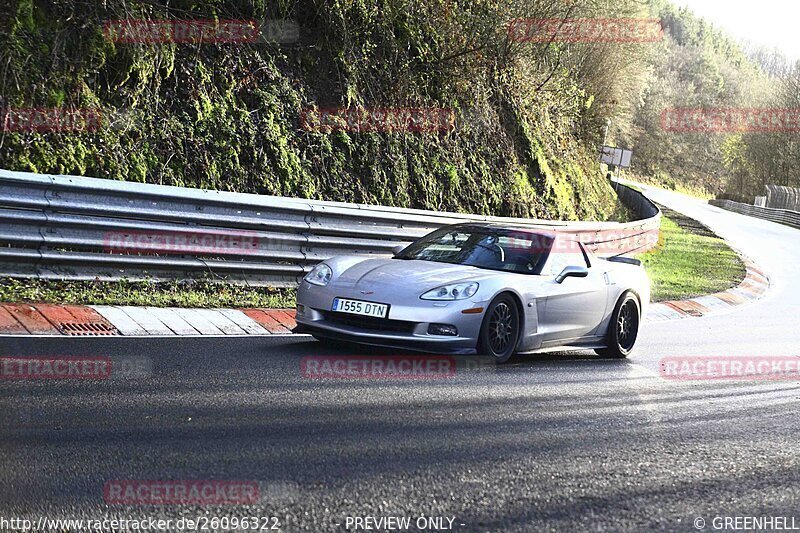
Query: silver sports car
(478, 288)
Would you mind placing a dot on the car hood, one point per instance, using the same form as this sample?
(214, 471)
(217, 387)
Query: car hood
(380, 273)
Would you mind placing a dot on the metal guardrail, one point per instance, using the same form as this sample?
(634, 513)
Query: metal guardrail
(781, 216)
(78, 228)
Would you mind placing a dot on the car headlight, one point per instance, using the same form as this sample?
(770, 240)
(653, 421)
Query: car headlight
(319, 275)
(456, 291)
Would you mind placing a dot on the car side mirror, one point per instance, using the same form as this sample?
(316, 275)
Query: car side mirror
(397, 249)
(572, 272)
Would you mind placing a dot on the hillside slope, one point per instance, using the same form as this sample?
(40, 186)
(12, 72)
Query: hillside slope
(228, 116)
(700, 67)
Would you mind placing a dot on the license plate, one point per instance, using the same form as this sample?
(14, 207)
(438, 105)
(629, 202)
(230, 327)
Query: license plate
(358, 307)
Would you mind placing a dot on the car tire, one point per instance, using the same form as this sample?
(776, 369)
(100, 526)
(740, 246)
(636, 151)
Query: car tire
(500, 329)
(623, 330)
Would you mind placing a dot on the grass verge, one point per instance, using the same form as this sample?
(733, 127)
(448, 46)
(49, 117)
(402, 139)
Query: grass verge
(690, 261)
(141, 293)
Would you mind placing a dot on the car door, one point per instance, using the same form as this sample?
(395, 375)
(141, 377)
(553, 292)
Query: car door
(576, 307)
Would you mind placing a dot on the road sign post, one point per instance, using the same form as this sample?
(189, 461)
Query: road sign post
(619, 158)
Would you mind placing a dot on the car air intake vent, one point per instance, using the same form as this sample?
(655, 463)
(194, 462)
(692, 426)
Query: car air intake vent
(371, 323)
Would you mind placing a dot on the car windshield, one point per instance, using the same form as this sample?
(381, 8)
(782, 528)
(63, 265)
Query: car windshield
(508, 250)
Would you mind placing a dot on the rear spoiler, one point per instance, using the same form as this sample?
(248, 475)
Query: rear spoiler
(626, 260)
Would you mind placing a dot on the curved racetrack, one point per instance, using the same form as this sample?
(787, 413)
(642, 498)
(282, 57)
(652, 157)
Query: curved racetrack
(551, 442)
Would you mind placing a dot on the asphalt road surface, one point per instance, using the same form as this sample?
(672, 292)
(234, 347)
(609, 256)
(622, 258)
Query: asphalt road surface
(556, 442)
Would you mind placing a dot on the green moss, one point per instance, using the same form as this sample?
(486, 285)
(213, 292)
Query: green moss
(227, 117)
(24, 17)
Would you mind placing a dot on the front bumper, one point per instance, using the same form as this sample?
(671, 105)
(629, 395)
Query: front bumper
(405, 328)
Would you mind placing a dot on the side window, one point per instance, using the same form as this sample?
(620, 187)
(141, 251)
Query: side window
(558, 262)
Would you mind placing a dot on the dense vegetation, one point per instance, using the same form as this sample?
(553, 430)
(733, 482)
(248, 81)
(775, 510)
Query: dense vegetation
(528, 116)
(698, 66)
(227, 116)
